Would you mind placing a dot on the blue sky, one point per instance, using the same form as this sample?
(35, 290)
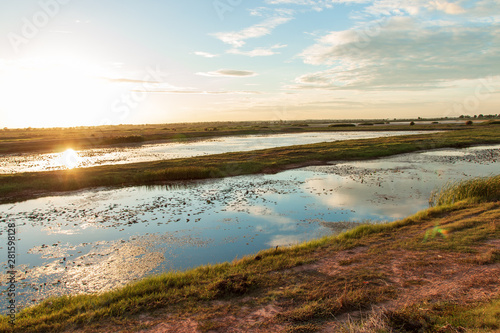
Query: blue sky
(75, 62)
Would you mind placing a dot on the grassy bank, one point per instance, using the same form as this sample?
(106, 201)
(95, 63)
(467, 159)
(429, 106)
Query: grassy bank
(29, 185)
(426, 271)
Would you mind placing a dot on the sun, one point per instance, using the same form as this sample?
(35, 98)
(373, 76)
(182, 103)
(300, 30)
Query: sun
(53, 94)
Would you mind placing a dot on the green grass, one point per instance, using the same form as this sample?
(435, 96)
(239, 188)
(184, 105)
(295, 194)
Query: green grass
(478, 189)
(17, 187)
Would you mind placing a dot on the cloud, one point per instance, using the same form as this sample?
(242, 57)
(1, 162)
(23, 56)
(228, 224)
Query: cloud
(205, 54)
(125, 80)
(317, 5)
(149, 86)
(200, 92)
(258, 52)
(412, 8)
(228, 73)
(238, 38)
(285, 240)
(402, 53)
(271, 12)
(447, 7)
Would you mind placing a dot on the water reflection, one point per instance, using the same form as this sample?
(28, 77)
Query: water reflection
(95, 240)
(153, 152)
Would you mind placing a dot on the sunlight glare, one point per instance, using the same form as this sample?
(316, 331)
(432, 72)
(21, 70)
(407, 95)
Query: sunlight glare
(54, 94)
(70, 159)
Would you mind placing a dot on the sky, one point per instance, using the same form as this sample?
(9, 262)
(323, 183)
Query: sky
(99, 62)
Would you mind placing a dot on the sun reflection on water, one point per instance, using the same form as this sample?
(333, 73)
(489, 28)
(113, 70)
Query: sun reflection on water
(70, 159)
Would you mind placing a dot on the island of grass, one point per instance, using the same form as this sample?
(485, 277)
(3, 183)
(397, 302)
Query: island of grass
(15, 187)
(436, 271)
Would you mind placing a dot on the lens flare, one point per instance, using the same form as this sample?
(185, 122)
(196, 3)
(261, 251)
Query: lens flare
(70, 159)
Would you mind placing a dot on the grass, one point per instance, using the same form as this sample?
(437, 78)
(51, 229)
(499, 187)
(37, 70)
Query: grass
(15, 187)
(309, 298)
(342, 125)
(50, 140)
(478, 317)
(123, 139)
(479, 189)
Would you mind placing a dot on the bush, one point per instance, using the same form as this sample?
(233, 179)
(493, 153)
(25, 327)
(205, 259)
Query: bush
(468, 122)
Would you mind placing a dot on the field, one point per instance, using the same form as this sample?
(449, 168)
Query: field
(49, 140)
(436, 271)
(14, 187)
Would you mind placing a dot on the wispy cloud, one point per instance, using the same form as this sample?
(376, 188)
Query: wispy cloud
(228, 73)
(125, 80)
(317, 5)
(201, 92)
(238, 38)
(413, 7)
(206, 54)
(258, 52)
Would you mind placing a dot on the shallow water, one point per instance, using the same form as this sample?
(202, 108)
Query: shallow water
(91, 241)
(92, 157)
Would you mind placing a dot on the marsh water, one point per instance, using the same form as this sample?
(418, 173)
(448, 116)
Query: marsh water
(91, 241)
(14, 163)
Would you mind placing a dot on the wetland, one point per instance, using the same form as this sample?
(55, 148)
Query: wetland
(95, 240)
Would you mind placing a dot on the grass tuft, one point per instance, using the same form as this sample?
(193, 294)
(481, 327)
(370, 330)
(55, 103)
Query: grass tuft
(476, 190)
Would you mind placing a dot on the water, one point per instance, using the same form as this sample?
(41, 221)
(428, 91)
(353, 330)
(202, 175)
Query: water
(153, 152)
(92, 241)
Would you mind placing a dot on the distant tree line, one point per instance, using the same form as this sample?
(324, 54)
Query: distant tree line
(479, 116)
